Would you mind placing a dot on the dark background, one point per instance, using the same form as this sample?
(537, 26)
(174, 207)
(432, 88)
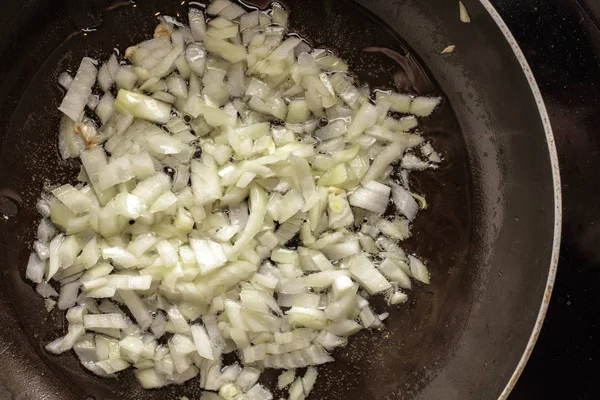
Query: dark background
(561, 40)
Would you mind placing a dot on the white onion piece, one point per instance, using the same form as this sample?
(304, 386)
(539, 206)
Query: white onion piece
(424, 106)
(373, 196)
(115, 321)
(105, 107)
(370, 278)
(202, 342)
(391, 153)
(65, 80)
(404, 201)
(142, 106)
(216, 6)
(45, 290)
(68, 295)
(419, 270)
(197, 24)
(464, 15)
(35, 269)
(80, 90)
(231, 52)
(412, 162)
(93, 161)
(390, 268)
(137, 307)
(195, 55)
(258, 392)
(365, 118)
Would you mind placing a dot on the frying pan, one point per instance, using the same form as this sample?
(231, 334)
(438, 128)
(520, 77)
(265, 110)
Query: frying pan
(490, 234)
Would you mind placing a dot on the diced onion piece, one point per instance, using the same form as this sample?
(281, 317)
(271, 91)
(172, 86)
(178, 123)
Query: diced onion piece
(365, 118)
(202, 341)
(464, 15)
(125, 77)
(397, 298)
(258, 392)
(150, 378)
(136, 306)
(117, 171)
(65, 80)
(285, 49)
(197, 24)
(113, 365)
(372, 196)
(404, 201)
(306, 317)
(309, 379)
(195, 55)
(297, 390)
(129, 205)
(35, 269)
(216, 6)
(258, 210)
(424, 106)
(419, 270)
(368, 276)
(94, 160)
(105, 108)
(70, 144)
(114, 321)
(142, 106)
(338, 251)
(448, 49)
(209, 255)
(80, 90)
(391, 153)
(391, 269)
(231, 52)
(120, 257)
(398, 228)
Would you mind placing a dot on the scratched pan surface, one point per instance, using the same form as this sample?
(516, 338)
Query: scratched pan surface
(488, 234)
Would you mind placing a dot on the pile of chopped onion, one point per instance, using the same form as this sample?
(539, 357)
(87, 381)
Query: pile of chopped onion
(210, 150)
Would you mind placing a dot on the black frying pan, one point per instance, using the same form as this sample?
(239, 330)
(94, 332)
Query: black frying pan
(490, 235)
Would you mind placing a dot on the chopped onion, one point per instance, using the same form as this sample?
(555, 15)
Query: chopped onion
(286, 378)
(197, 24)
(464, 15)
(35, 269)
(229, 51)
(80, 90)
(200, 216)
(424, 106)
(65, 80)
(404, 201)
(386, 157)
(419, 270)
(142, 106)
(195, 55)
(373, 196)
(114, 321)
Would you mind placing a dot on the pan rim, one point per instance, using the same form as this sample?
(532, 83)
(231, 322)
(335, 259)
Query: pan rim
(554, 164)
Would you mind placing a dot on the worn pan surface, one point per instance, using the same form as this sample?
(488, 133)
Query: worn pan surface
(489, 236)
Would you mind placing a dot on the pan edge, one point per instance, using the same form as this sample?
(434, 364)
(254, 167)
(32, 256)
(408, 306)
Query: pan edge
(552, 152)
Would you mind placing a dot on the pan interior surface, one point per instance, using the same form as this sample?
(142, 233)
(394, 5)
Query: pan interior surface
(486, 235)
